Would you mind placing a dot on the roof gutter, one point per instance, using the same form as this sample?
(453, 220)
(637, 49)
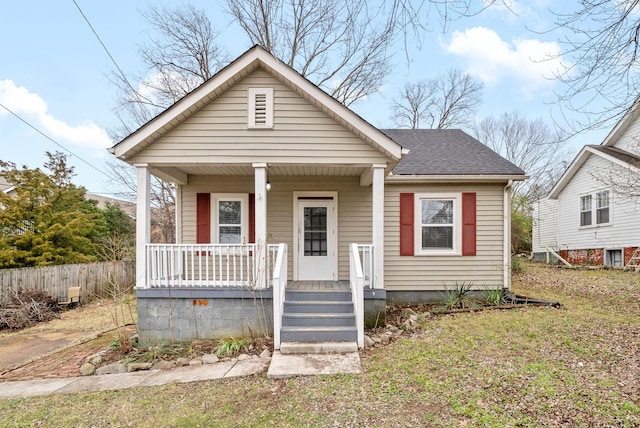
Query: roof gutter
(396, 179)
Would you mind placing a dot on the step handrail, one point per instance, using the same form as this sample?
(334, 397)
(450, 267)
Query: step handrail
(356, 282)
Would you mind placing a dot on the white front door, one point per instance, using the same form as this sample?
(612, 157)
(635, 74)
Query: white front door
(317, 241)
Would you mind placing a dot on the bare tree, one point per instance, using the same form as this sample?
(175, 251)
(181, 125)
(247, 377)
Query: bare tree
(181, 54)
(343, 46)
(446, 101)
(601, 51)
(530, 144)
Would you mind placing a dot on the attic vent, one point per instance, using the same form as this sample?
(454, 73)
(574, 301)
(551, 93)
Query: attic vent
(260, 108)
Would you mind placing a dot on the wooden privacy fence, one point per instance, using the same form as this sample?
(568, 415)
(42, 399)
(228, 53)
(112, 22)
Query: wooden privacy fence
(94, 279)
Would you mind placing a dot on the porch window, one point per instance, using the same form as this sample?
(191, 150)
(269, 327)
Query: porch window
(230, 217)
(439, 224)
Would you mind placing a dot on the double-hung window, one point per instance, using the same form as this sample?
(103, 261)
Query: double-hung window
(439, 223)
(602, 207)
(230, 218)
(595, 209)
(585, 210)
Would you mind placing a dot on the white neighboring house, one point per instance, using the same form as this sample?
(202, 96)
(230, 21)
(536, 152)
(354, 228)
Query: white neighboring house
(586, 217)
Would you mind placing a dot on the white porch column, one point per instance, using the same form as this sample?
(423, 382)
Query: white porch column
(260, 174)
(143, 222)
(377, 232)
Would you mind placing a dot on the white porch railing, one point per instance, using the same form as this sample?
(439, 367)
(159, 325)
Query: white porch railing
(279, 288)
(206, 265)
(365, 252)
(356, 282)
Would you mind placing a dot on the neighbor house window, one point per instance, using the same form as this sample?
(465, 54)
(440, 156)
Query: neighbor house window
(585, 210)
(230, 218)
(595, 209)
(438, 224)
(602, 207)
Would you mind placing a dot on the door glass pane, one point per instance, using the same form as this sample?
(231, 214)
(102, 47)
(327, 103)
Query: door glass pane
(315, 231)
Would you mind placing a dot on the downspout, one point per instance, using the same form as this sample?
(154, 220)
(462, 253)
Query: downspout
(506, 280)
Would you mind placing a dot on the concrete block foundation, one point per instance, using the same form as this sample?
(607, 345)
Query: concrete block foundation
(182, 315)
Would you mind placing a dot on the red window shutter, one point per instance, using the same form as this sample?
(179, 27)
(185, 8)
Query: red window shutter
(406, 224)
(252, 218)
(469, 224)
(203, 218)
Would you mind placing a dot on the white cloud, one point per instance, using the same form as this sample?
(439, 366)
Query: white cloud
(33, 108)
(530, 63)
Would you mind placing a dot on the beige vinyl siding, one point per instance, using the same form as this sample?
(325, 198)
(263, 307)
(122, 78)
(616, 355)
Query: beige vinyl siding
(218, 133)
(404, 273)
(354, 208)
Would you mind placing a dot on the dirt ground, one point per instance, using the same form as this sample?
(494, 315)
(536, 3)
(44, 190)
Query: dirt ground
(56, 348)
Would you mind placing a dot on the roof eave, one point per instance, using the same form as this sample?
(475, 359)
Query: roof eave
(482, 178)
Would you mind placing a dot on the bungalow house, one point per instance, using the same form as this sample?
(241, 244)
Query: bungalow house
(297, 218)
(589, 216)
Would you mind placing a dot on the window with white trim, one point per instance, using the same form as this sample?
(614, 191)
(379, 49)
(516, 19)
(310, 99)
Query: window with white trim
(585, 210)
(595, 209)
(230, 221)
(260, 108)
(438, 224)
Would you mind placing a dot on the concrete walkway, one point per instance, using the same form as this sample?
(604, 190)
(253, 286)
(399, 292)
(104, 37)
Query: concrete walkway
(280, 366)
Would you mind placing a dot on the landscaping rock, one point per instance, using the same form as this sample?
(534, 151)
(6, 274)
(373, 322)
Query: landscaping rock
(87, 369)
(368, 342)
(95, 360)
(182, 361)
(163, 365)
(134, 367)
(243, 357)
(111, 369)
(265, 354)
(195, 362)
(210, 359)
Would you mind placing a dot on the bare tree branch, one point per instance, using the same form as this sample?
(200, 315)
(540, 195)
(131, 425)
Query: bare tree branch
(180, 55)
(601, 66)
(447, 101)
(531, 145)
(340, 45)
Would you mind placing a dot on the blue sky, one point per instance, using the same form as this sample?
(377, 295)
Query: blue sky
(54, 73)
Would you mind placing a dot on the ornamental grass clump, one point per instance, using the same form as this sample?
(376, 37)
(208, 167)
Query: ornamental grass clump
(231, 346)
(458, 297)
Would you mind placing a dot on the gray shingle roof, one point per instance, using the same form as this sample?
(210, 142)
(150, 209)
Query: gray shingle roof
(447, 152)
(619, 154)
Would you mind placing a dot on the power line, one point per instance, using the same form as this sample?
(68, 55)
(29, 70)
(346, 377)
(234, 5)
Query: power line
(124, 77)
(54, 141)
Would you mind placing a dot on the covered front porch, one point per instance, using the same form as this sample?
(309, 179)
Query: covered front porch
(314, 228)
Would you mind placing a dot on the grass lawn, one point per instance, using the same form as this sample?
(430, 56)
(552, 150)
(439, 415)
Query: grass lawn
(574, 366)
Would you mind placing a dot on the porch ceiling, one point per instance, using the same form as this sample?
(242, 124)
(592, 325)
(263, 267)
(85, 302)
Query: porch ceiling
(274, 170)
